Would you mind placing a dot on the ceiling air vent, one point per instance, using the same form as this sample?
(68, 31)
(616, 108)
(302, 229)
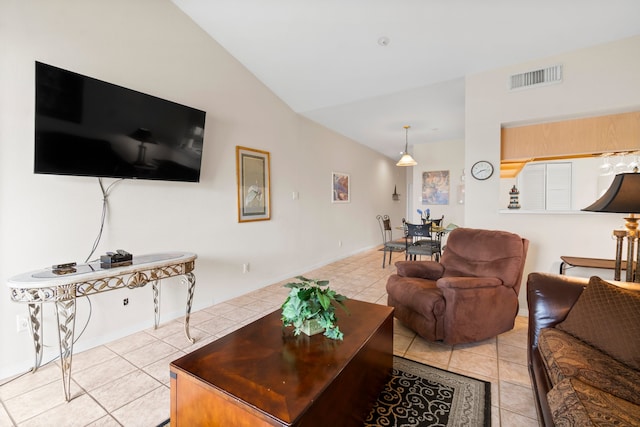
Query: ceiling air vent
(541, 77)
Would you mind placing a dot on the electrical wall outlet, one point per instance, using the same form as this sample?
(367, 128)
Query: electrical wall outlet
(125, 301)
(22, 323)
(245, 267)
(339, 243)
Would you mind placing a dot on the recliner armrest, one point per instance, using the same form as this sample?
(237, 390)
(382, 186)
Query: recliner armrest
(468, 282)
(431, 270)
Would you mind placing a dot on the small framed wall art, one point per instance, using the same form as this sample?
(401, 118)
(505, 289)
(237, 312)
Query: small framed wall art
(253, 172)
(340, 188)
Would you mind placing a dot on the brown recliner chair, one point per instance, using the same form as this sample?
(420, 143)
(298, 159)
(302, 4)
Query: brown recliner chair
(470, 295)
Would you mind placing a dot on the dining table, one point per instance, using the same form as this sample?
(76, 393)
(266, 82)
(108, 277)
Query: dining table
(436, 229)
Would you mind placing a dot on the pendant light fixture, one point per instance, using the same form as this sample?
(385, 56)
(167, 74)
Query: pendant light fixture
(406, 159)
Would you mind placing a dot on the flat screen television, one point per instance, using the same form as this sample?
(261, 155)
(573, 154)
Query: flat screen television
(88, 127)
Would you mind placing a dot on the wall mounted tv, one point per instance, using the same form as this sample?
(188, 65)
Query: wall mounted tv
(88, 127)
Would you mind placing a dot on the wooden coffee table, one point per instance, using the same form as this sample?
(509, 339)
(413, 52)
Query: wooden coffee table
(263, 375)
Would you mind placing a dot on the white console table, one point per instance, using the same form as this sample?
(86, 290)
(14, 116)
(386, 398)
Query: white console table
(46, 286)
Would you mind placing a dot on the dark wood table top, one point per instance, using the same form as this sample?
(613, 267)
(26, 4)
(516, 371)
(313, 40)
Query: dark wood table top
(267, 367)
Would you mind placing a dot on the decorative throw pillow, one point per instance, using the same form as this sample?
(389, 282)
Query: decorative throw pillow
(608, 318)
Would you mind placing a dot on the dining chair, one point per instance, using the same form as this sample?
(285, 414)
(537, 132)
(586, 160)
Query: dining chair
(421, 241)
(438, 231)
(389, 245)
(437, 222)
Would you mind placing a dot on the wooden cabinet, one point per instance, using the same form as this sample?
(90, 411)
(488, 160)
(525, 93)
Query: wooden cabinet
(572, 138)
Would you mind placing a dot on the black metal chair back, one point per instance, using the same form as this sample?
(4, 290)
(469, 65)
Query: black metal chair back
(390, 245)
(385, 228)
(417, 231)
(437, 222)
(420, 241)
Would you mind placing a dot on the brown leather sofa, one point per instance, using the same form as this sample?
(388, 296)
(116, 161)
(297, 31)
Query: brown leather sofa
(470, 295)
(578, 374)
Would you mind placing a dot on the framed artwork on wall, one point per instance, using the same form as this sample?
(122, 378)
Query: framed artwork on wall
(340, 188)
(435, 188)
(253, 172)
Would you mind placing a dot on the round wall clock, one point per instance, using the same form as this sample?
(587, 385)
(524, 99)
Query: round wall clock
(482, 170)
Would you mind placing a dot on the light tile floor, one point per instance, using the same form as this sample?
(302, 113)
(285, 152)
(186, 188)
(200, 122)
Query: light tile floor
(126, 382)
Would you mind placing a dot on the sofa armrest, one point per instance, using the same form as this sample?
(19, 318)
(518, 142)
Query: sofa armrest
(431, 270)
(468, 282)
(549, 299)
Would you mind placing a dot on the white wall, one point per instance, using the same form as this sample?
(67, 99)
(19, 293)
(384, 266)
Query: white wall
(150, 46)
(598, 80)
(438, 156)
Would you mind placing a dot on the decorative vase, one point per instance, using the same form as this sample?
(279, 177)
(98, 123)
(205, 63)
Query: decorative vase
(312, 327)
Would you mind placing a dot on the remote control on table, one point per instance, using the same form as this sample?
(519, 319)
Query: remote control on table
(61, 266)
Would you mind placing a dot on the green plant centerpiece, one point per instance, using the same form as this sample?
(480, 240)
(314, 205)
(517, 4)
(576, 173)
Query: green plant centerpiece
(312, 301)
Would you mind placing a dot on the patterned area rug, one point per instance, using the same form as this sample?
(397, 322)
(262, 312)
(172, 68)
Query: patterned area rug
(419, 395)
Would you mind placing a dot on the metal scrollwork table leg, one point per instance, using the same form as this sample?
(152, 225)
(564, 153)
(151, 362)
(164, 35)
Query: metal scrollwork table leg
(190, 279)
(156, 306)
(66, 315)
(35, 317)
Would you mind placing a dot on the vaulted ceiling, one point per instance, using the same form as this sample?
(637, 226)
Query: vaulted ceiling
(365, 68)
